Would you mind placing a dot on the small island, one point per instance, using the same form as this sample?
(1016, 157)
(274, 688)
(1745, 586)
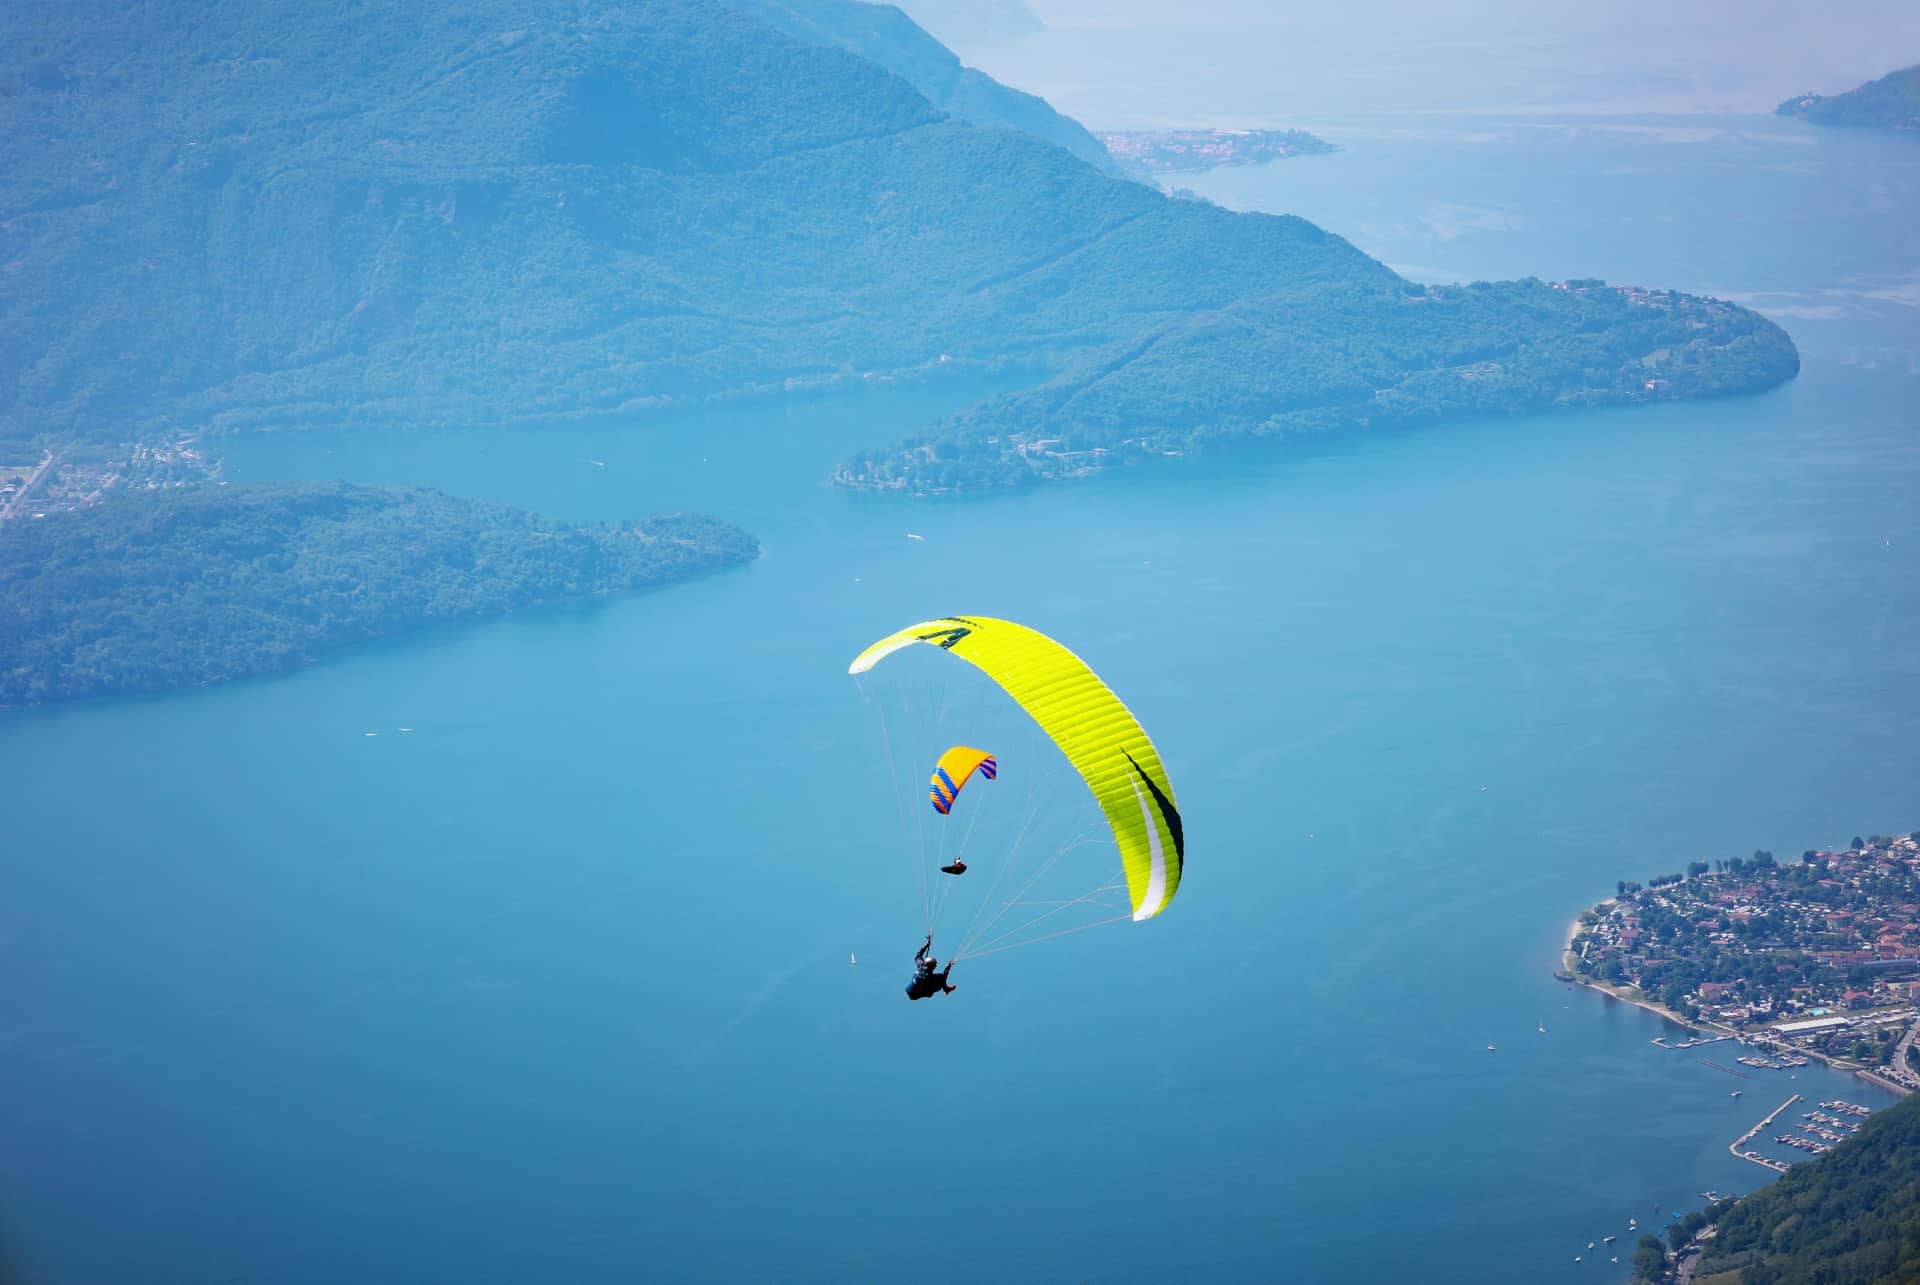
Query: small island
(185, 586)
(1891, 102)
(1814, 958)
(1187, 151)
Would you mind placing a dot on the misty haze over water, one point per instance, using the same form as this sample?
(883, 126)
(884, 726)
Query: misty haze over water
(1242, 63)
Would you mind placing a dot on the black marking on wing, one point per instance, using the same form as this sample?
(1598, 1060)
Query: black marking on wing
(947, 637)
(1168, 813)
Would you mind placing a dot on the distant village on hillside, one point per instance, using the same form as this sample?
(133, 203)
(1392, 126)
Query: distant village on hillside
(1819, 956)
(1192, 150)
(79, 477)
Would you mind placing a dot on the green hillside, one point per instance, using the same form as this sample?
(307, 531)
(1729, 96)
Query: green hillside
(1891, 102)
(225, 217)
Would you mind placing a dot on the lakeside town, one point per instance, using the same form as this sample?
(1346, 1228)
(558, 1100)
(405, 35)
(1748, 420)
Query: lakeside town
(80, 477)
(1814, 958)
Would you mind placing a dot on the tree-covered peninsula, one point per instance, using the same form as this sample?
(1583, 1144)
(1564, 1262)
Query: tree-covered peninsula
(225, 217)
(1371, 351)
(1891, 102)
(201, 584)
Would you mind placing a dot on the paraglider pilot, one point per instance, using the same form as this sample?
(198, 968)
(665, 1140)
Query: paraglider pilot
(928, 977)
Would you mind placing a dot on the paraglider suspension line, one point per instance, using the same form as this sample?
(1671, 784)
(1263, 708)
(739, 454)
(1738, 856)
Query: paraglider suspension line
(1090, 899)
(974, 934)
(1064, 932)
(893, 769)
(946, 885)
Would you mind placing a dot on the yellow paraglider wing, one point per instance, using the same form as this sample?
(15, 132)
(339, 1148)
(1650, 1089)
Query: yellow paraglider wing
(953, 770)
(1097, 733)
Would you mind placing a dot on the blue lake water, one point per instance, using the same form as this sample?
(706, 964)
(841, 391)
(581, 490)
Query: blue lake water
(555, 986)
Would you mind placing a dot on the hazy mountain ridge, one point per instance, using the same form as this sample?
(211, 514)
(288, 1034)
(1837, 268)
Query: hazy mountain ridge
(1891, 102)
(963, 23)
(891, 38)
(567, 214)
(283, 216)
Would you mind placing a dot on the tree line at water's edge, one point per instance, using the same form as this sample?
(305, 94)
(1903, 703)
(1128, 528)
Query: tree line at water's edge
(185, 586)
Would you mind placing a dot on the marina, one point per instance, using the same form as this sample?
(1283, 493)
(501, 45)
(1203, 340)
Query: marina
(1832, 1122)
(1740, 1142)
(1815, 1133)
(1803, 1144)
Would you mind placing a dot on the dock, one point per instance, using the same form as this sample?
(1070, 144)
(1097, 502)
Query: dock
(1741, 1141)
(1693, 1043)
(1722, 1067)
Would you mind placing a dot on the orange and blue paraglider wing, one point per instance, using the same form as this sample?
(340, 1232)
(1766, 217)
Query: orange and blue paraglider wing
(956, 766)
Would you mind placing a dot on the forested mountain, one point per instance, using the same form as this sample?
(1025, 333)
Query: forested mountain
(225, 216)
(1852, 1215)
(1891, 102)
(194, 585)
